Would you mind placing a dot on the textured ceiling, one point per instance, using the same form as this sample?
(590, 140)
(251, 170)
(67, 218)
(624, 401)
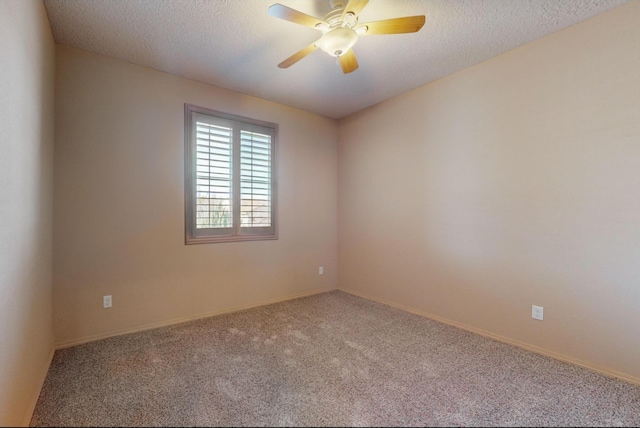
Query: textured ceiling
(235, 44)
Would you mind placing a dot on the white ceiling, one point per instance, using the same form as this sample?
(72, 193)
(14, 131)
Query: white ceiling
(236, 45)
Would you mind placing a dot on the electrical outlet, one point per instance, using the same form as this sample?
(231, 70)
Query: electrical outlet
(537, 312)
(321, 270)
(107, 301)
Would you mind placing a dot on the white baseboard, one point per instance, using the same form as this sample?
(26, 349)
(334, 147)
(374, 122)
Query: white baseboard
(603, 370)
(43, 377)
(175, 321)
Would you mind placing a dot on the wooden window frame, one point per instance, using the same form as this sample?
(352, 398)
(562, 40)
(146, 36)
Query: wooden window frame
(236, 232)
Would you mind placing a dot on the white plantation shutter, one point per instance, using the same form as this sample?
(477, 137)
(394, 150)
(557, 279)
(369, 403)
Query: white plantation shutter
(229, 171)
(214, 187)
(255, 179)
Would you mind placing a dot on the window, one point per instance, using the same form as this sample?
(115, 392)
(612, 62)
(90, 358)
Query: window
(230, 182)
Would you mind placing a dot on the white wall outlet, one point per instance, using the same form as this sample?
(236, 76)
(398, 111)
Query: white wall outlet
(107, 301)
(537, 312)
(320, 270)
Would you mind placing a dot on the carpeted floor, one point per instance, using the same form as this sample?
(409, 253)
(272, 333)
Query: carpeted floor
(330, 359)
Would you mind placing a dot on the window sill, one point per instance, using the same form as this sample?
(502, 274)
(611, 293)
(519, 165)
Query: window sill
(190, 240)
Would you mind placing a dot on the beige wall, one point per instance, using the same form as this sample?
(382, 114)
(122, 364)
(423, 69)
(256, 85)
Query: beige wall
(26, 173)
(512, 183)
(119, 211)
(508, 184)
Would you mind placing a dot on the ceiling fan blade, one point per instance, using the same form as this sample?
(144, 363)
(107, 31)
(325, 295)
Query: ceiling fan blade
(348, 62)
(286, 13)
(408, 24)
(354, 6)
(298, 56)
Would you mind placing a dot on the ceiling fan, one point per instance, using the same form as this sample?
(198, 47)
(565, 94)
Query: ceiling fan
(340, 30)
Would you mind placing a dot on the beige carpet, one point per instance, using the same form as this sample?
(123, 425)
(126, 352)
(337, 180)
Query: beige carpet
(331, 359)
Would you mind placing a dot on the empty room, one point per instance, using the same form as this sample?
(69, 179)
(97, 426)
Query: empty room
(319, 213)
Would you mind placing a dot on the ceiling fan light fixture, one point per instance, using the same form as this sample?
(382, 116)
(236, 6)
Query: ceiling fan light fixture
(338, 41)
(340, 30)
